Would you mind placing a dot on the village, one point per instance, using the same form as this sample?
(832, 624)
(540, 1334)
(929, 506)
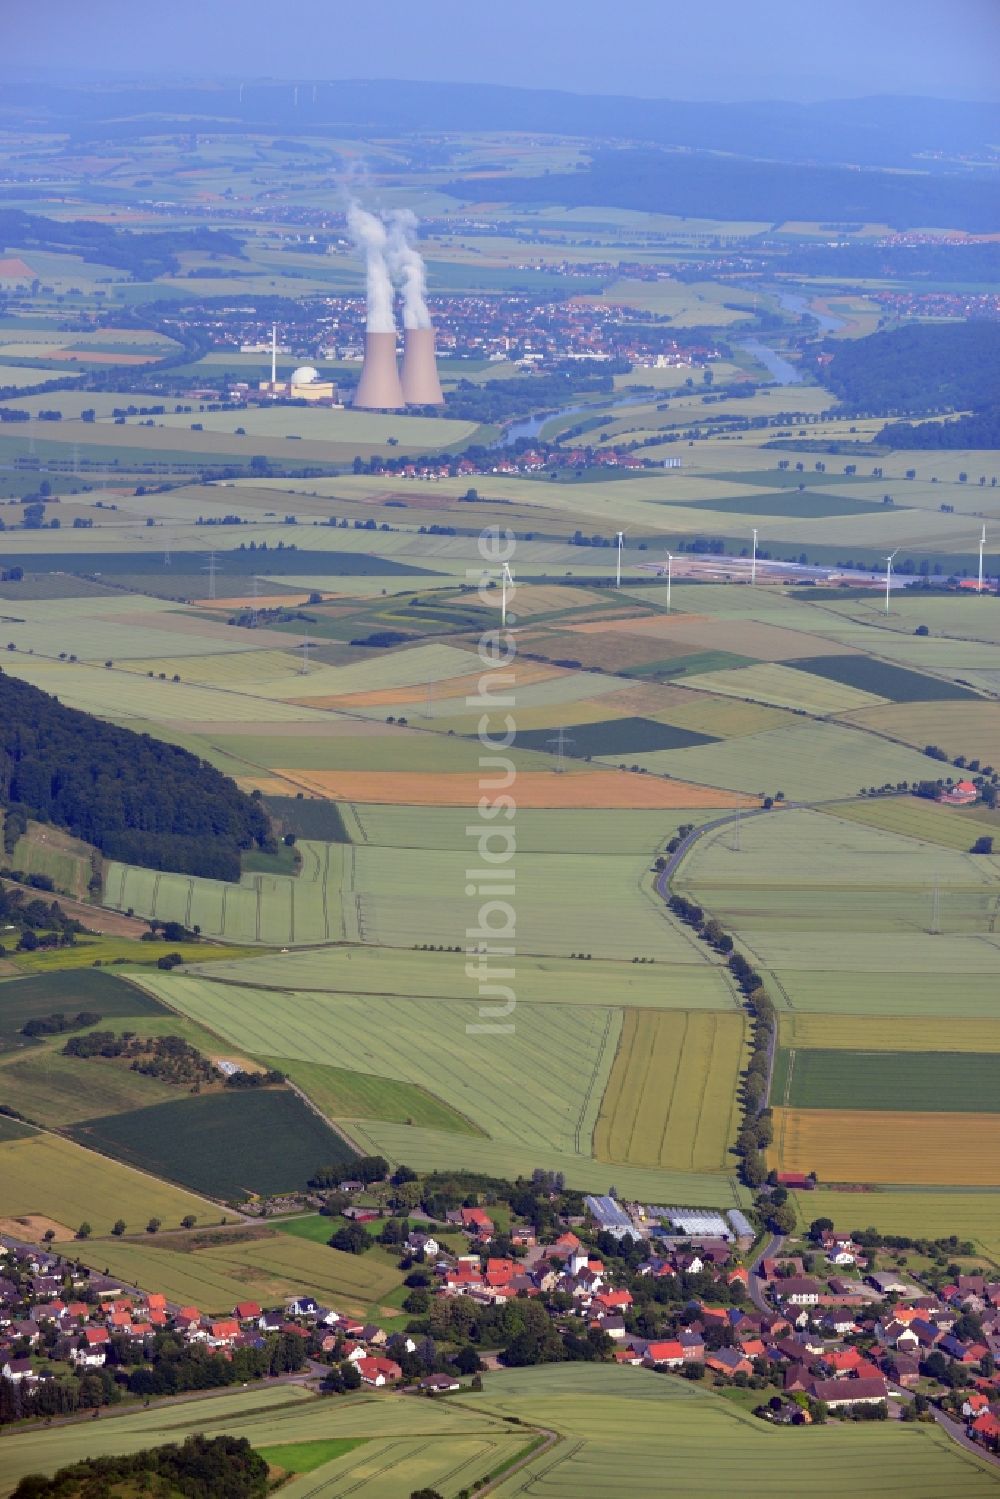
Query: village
(835, 1324)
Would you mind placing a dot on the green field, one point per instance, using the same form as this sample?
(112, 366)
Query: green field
(612, 1422)
(882, 678)
(428, 1043)
(243, 1140)
(306, 1457)
(920, 1214)
(614, 736)
(340, 1094)
(68, 992)
(932, 1081)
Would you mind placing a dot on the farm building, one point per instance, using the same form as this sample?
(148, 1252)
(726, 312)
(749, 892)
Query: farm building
(962, 794)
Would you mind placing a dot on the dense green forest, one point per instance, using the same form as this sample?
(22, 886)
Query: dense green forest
(723, 187)
(925, 367)
(134, 797)
(226, 1467)
(980, 429)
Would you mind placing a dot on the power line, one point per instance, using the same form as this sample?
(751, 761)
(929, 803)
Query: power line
(211, 567)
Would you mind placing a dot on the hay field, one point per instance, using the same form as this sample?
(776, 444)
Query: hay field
(917, 818)
(561, 830)
(428, 1043)
(533, 789)
(807, 761)
(882, 1033)
(784, 687)
(689, 984)
(438, 1150)
(874, 1145)
(960, 728)
(46, 1174)
(671, 1096)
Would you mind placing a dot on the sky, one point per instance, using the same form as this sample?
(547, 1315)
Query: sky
(726, 50)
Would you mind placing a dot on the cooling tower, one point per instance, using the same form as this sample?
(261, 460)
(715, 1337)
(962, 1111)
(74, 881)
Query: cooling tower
(379, 388)
(421, 386)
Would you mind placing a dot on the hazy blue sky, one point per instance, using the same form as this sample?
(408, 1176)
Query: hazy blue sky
(727, 49)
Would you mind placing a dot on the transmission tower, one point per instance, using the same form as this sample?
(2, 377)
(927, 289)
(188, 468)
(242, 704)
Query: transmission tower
(935, 926)
(738, 833)
(560, 740)
(211, 567)
(305, 648)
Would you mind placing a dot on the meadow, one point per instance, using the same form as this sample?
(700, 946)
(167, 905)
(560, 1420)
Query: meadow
(70, 991)
(671, 1096)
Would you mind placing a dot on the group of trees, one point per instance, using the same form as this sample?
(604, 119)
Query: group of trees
(134, 797)
(923, 367)
(144, 255)
(225, 1466)
(37, 922)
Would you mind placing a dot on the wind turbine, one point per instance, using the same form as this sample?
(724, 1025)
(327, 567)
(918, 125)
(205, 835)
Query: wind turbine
(670, 573)
(982, 543)
(753, 561)
(506, 580)
(618, 573)
(888, 577)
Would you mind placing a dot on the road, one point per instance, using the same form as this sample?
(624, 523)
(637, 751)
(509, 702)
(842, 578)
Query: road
(770, 1251)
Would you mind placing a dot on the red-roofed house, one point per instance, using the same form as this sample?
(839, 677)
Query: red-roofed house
(499, 1272)
(245, 1310)
(613, 1300)
(93, 1349)
(224, 1333)
(156, 1302)
(665, 1354)
(962, 794)
(378, 1371)
(476, 1221)
(986, 1429)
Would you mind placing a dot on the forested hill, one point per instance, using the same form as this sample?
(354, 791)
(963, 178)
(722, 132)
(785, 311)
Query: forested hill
(137, 799)
(927, 367)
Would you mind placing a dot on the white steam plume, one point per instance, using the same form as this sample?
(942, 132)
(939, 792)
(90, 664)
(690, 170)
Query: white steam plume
(407, 266)
(369, 235)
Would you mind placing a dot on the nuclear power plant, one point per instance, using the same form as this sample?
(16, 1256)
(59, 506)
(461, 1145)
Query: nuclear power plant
(379, 388)
(390, 255)
(419, 378)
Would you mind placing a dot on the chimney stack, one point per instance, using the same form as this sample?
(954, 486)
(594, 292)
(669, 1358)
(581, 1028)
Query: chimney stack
(421, 386)
(379, 388)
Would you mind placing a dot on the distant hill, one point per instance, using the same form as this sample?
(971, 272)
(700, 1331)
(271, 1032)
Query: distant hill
(135, 798)
(876, 131)
(702, 185)
(923, 368)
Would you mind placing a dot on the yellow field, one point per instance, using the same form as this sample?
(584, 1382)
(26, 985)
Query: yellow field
(51, 1176)
(671, 1096)
(886, 1033)
(531, 788)
(872, 1145)
(521, 674)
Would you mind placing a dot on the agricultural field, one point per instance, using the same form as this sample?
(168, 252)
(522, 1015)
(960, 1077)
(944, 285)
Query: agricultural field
(916, 817)
(932, 1214)
(882, 679)
(908, 1148)
(671, 1096)
(243, 1141)
(430, 1044)
(930, 1082)
(644, 1426)
(971, 729)
(216, 1270)
(69, 992)
(379, 1448)
(51, 1176)
(340, 1094)
(878, 1033)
